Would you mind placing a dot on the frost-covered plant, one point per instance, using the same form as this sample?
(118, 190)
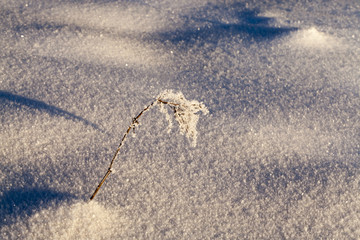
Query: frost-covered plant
(184, 112)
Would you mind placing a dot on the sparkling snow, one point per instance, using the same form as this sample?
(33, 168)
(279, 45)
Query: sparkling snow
(277, 157)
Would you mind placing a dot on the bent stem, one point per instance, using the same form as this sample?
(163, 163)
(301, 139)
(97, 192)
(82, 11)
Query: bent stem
(133, 124)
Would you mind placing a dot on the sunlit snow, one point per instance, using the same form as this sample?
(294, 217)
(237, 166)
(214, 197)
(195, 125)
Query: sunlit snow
(276, 157)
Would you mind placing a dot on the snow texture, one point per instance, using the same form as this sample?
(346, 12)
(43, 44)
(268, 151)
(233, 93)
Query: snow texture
(276, 157)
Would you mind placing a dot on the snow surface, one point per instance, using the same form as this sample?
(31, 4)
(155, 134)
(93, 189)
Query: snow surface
(277, 157)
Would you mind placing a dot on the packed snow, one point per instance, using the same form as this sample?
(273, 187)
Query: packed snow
(276, 157)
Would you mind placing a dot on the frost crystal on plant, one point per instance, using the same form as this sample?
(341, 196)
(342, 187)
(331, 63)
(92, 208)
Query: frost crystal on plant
(184, 112)
(167, 115)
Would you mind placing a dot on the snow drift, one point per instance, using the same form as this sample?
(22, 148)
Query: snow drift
(277, 157)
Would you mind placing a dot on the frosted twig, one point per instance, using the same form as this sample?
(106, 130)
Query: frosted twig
(184, 114)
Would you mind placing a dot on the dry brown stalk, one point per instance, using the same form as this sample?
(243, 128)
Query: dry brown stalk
(132, 126)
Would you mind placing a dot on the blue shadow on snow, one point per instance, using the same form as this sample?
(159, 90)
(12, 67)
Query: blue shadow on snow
(249, 26)
(42, 106)
(24, 202)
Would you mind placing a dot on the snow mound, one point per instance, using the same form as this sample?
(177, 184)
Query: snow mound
(80, 220)
(122, 18)
(99, 48)
(313, 39)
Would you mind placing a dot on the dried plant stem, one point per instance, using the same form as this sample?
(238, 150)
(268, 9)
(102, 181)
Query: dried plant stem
(132, 126)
